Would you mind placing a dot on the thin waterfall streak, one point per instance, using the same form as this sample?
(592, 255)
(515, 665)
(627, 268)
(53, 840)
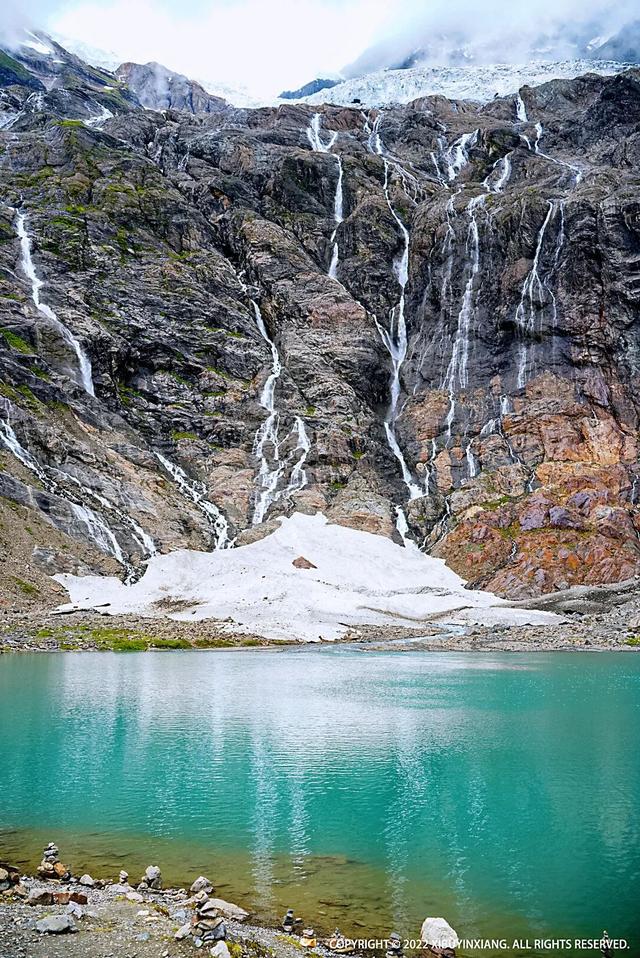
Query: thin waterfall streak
(536, 293)
(98, 530)
(395, 338)
(267, 442)
(196, 492)
(317, 144)
(29, 270)
(456, 377)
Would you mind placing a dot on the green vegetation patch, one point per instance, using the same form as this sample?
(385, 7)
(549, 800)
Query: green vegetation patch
(16, 342)
(26, 587)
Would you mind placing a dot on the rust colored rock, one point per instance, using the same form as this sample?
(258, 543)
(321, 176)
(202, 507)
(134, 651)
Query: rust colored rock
(302, 563)
(79, 897)
(61, 897)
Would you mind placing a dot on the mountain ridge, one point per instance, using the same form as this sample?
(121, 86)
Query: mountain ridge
(418, 321)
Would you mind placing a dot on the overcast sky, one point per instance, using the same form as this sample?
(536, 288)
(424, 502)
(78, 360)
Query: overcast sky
(266, 46)
(263, 45)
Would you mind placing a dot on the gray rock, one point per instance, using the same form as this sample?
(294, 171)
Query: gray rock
(40, 896)
(183, 931)
(87, 880)
(56, 925)
(153, 876)
(226, 908)
(201, 884)
(220, 950)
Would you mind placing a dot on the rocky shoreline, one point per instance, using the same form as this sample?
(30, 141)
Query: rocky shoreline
(55, 914)
(613, 624)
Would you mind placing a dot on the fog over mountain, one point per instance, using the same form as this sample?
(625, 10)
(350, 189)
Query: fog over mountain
(442, 32)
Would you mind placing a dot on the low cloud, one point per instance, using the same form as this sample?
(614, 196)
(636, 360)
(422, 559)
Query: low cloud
(494, 31)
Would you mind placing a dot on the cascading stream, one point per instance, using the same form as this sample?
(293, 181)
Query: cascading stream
(98, 531)
(521, 110)
(196, 492)
(267, 443)
(395, 338)
(315, 139)
(28, 266)
(456, 376)
(535, 148)
(536, 292)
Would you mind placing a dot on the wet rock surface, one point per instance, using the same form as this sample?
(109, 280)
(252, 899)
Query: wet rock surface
(180, 250)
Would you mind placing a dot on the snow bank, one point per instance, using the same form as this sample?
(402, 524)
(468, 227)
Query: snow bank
(359, 579)
(480, 83)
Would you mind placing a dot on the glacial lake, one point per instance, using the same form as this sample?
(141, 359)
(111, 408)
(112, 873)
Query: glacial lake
(364, 789)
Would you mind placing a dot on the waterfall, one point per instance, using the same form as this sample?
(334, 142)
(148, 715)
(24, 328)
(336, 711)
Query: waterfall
(144, 540)
(430, 471)
(267, 433)
(196, 492)
(536, 293)
(575, 170)
(29, 269)
(457, 156)
(273, 465)
(395, 338)
(96, 527)
(521, 110)
(313, 135)
(500, 174)
(456, 376)
(472, 466)
(298, 478)
(338, 217)
(99, 532)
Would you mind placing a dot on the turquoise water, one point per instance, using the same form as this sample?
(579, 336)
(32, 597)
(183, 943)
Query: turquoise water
(363, 789)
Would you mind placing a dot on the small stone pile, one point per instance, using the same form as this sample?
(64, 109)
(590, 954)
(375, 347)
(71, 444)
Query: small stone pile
(208, 925)
(9, 877)
(151, 880)
(51, 867)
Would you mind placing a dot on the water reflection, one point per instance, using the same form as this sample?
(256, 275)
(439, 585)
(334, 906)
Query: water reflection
(495, 790)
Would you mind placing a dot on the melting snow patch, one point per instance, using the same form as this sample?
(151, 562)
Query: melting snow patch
(359, 579)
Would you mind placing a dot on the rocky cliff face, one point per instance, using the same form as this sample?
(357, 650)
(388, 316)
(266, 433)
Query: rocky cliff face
(425, 316)
(160, 89)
